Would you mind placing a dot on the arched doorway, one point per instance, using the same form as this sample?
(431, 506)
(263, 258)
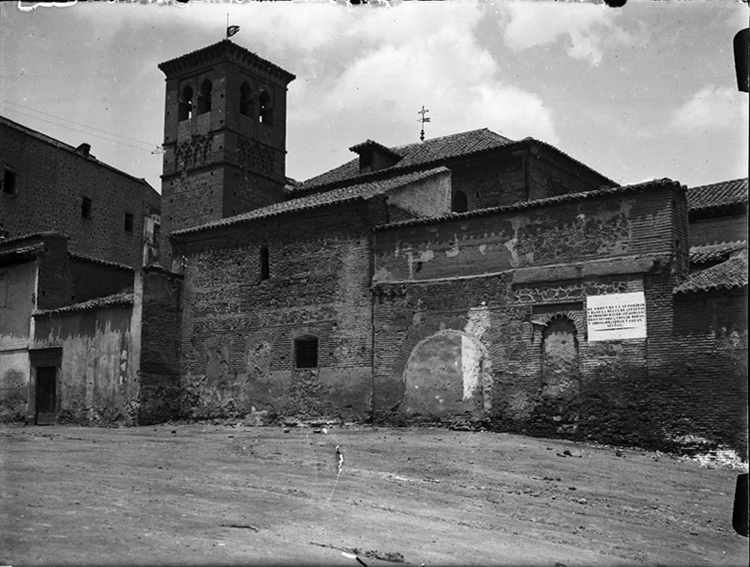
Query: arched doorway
(560, 369)
(447, 374)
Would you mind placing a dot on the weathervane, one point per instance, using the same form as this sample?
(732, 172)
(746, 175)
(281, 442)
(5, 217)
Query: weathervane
(231, 30)
(423, 119)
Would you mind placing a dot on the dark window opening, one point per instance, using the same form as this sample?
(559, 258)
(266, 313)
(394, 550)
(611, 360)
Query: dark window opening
(247, 105)
(204, 98)
(9, 182)
(265, 111)
(185, 111)
(265, 269)
(365, 162)
(460, 202)
(86, 208)
(129, 222)
(306, 352)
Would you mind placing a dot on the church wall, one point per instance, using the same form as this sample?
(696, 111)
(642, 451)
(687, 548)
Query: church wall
(156, 335)
(717, 229)
(524, 302)
(526, 175)
(705, 378)
(555, 234)
(238, 330)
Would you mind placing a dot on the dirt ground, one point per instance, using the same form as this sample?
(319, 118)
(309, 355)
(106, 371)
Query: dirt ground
(204, 494)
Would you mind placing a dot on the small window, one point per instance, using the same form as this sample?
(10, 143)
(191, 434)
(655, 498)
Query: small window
(306, 352)
(265, 111)
(246, 101)
(204, 98)
(460, 202)
(185, 110)
(129, 222)
(265, 269)
(86, 207)
(9, 181)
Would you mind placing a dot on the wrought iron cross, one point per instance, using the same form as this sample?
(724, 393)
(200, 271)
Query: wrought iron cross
(423, 119)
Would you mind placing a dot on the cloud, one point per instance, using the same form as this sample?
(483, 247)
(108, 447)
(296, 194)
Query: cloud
(589, 28)
(711, 108)
(399, 60)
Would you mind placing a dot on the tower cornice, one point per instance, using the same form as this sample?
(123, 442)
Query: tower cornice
(223, 51)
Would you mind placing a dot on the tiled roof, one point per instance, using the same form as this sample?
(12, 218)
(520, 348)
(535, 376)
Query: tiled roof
(430, 152)
(568, 197)
(63, 146)
(122, 298)
(715, 252)
(717, 194)
(30, 236)
(360, 191)
(223, 49)
(415, 154)
(729, 274)
(77, 256)
(24, 252)
(372, 144)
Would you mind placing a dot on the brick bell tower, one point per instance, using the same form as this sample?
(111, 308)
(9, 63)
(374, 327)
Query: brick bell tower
(224, 137)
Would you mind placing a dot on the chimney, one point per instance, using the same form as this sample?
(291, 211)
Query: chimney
(84, 149)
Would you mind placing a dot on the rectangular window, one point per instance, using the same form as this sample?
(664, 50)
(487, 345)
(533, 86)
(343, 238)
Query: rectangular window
(9, 181)
(129, 222)
(86, 208)
(306, 352)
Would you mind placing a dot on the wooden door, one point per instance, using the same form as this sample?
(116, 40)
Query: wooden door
(46, 395)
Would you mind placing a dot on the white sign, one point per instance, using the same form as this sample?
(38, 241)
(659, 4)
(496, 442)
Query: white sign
(616, 316)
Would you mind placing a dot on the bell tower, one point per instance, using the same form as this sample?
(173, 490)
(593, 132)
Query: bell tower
(224, 137)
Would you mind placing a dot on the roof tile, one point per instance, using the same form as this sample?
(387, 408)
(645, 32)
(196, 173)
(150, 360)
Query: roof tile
(718, 194)
(364, 190)
(729, 274)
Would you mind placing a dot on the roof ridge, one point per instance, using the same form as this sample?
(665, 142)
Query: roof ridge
(46, 138)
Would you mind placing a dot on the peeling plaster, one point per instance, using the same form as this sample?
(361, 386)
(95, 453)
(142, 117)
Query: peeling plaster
(454, 249)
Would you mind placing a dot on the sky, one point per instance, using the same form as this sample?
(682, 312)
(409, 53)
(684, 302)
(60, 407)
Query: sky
(641, 92)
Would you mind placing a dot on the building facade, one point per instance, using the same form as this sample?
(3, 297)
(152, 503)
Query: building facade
(469, 280)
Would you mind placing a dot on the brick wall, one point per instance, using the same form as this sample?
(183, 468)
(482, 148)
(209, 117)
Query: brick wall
(222, 162)
(566, 233)
(530, 173)
(159, 295)
(716, 229)
(612, 243)
(704, 377)
(93, 278)
(52, 180)
(238, 330)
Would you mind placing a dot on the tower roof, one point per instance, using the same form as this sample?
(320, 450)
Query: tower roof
(222, 51)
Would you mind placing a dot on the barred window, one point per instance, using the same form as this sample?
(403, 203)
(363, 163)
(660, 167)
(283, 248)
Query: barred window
(306, 352)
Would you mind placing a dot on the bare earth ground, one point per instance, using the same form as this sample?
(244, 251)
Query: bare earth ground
(206, 494)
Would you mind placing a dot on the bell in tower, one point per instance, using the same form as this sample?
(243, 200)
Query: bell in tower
(224, 136)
